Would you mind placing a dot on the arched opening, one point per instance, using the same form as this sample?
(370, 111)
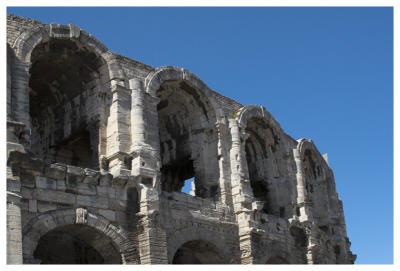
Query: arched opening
(188, 139)
(276, 260)
(198, 252)
(317, 189)
(76, 244)
(63, 102)
(261, 147)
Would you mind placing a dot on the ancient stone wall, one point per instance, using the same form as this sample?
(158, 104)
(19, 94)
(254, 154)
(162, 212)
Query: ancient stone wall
(99, 147)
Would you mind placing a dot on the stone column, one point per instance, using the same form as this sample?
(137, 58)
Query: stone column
(223, 162)
(302, 201)
(146, 173)
(20, 92)
(305, 212)
(241, 192)
(118, 134)
(18, 118)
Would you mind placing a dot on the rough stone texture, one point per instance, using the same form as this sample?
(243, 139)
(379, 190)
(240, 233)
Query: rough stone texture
(99, 148)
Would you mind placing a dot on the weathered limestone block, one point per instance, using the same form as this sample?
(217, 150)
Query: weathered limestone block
(61, 185)
(13, 185)
(56, 171)
(91, 176)
(45, 183)
(92, 201)
(74, 175)
(27, 180)
(54, 196)
(86, 189)
(106, 179)
(44, 206)
(109, 214)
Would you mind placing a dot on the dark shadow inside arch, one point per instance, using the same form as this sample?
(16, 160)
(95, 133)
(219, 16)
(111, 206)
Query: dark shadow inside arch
(260, 146)
(198, 252)
(76, 244)
(188, 139)
(320, 190)
(63, 102)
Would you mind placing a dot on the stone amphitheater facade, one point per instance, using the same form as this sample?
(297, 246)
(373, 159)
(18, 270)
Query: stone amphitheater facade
(99, 147)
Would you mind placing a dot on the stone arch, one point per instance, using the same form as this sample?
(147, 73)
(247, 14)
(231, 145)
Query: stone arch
(187, 115)
(305, 144)
(264, 152)
(30, 39)
(179, 238)
(156, 78)
(318, 183)
(107, 73)
(254, 111)
(276, 256)
(49, 221)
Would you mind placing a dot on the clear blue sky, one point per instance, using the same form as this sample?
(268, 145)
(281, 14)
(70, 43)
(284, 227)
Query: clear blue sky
(323, 73)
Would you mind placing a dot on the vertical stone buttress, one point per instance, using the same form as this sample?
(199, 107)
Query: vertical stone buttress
(146, 172)
(118, 134)
(305, 209)
(18, 125)
(302, 202)
(223, 163)
(241, 193)
(18, 120)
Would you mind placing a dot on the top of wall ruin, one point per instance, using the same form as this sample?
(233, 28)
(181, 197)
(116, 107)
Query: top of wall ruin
(16, 25)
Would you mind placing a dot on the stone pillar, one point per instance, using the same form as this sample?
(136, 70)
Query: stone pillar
(241, 192)
(10, 57)
(20, 93)
(18, 118)
(118, 134)
(305, 209)
(302, 201)
(146, 173)
(223, 162)
(14, 228)
(312, 245)
(144, 149)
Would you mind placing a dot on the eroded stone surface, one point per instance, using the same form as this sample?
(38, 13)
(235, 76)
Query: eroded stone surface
(100, 146)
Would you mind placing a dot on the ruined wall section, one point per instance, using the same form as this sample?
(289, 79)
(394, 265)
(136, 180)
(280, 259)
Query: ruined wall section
(228, 105)
(134, 68)
(187, 218)
(46, 188)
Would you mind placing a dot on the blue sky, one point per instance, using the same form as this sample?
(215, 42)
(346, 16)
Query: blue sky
(323, 73)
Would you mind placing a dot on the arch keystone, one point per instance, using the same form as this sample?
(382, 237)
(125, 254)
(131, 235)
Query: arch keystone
(81, 216)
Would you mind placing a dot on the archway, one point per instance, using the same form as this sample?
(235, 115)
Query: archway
(91, 229)
(188, 139)
(64, 110)
(262, 156)
(198, 252)
(319, 186)
(76, 244)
